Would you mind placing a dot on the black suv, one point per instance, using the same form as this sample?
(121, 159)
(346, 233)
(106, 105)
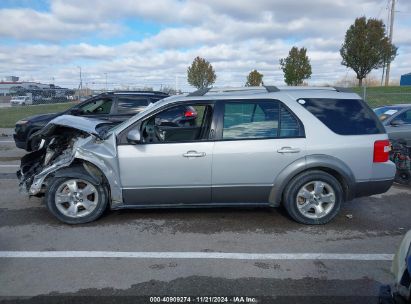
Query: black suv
(111, 106)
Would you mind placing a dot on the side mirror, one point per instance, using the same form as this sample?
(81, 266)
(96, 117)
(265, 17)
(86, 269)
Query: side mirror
(396, 123)
(76, 112)
(134, 136)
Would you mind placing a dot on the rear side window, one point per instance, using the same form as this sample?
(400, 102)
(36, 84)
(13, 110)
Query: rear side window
(258, 120)
(289, 126)
(344, 116)
(131, 105)
(250, 120)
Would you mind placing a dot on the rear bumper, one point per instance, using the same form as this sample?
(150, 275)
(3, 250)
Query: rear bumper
(372, 187)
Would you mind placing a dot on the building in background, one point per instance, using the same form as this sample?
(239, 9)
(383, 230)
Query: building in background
(42, 93)
(405, 80)
(12, 78)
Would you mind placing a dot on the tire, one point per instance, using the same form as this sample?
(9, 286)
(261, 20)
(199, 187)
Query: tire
(313, 197)
(79, 204)
(403, 177)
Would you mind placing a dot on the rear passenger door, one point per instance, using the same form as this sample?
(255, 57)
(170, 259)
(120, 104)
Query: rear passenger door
(128, 106)
(255, 141)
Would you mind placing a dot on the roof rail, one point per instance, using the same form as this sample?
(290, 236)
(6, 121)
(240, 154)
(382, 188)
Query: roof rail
(305, 88)
(199, 92)
(344, 90)
(271, 89)
(202, 92)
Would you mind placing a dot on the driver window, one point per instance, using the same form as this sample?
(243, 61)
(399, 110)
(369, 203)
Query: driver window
(99, 106)
(178, 124)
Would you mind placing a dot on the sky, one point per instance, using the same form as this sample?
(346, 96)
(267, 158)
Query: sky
(136, 43)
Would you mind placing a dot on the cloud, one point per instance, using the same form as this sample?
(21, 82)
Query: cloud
(236, 36)
(28, 24)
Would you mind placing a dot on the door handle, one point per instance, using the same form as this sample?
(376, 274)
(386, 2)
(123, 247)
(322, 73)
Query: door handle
(288, 150)
(194, 154)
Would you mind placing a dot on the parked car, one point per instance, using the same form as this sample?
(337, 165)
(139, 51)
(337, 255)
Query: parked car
(111, 106)
(306, 149)
(397, 121)
(400, 291)
(21, 100)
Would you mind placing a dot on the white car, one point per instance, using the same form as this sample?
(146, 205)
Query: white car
(21, 100)
(400, 291)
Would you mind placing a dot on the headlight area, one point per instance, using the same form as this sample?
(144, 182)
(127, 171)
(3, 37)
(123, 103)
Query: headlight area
(54, 152)
(22, 122)
(21, 126)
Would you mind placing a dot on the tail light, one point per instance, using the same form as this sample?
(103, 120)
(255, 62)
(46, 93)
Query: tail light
(382, 150)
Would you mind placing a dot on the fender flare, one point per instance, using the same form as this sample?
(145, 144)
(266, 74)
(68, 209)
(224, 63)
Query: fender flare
(318, 162)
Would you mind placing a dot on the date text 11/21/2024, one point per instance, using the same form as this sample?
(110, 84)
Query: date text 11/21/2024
(202, 299)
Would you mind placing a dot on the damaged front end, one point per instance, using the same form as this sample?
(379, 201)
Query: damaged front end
(62, 145)
(54, 152)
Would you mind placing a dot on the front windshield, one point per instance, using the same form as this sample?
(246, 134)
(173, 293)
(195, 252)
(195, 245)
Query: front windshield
(384, 113)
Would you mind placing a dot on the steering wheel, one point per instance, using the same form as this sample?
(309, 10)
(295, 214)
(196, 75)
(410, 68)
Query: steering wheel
(159, 135)
(153, 134)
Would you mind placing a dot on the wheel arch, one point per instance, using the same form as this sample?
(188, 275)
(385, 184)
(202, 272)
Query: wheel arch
(81, 168)
(329, 164)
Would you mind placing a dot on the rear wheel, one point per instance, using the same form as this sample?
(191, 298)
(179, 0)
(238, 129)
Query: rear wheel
(75, 200)
(313, 197)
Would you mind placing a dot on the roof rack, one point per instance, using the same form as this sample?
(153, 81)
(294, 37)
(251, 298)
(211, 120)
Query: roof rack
(137, 92)
(263, 89)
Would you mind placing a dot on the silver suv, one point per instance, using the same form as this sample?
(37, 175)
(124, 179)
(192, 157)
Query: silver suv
(306, 149)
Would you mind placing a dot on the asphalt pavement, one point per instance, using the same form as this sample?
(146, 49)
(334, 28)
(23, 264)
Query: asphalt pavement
(194, 254)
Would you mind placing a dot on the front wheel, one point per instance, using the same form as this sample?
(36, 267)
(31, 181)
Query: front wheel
(75, 200)
(313, 197)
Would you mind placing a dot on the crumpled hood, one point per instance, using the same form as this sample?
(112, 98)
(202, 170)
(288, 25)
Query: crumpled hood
(84, 124)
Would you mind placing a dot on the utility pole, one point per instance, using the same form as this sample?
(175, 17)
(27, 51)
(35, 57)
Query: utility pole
(176, 84)
(80, 86)
(106, 81)
(387, 71)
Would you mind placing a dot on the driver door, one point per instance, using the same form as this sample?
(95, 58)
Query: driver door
(172, 164)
